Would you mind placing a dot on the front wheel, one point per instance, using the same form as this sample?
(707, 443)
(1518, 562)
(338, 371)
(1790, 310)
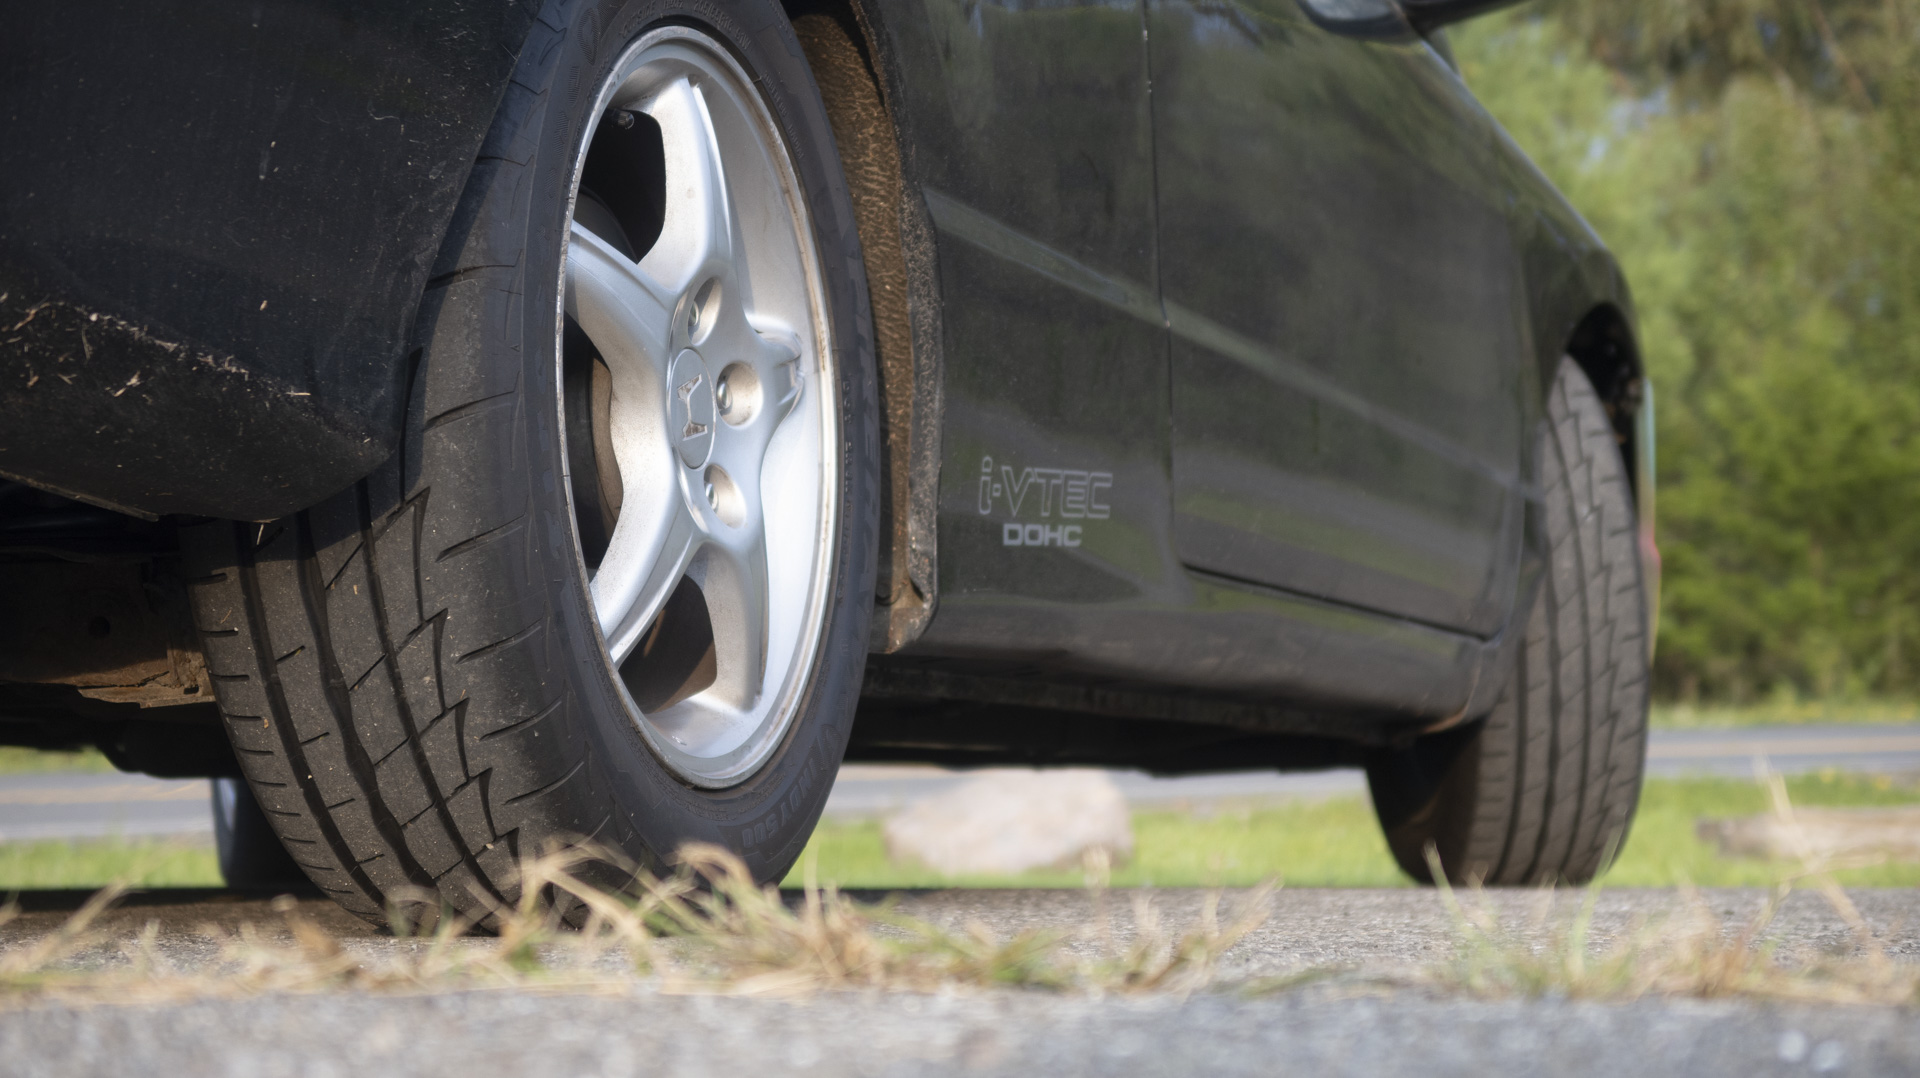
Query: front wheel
(1542, 790)
(616, 584)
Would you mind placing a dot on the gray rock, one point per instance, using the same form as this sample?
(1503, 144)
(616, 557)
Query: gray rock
(1002, 822)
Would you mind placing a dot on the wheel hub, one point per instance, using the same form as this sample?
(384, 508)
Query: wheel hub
(690, 408)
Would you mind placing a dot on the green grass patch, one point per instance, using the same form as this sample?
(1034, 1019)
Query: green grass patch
(1663, 851)
(1323, 843)
(1790, 712)
(19, 761)
(154, 862)
(1307, 843)
(1337, 843)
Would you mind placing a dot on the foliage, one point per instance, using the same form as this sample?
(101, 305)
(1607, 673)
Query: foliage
(1755, 164)
(1856, 712)
(1850, 51)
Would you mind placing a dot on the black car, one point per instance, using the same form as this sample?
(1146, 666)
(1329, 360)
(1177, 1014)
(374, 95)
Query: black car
(481, 425)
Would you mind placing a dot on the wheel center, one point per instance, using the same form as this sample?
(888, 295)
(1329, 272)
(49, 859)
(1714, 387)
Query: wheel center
(690, 409)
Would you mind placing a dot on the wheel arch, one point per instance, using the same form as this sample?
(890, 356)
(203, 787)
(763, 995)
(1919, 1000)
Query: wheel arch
(847, 50)
(1604, 344)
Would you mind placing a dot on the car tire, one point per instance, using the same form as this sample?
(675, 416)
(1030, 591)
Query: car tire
(419, 675)
(251, 856)
(1543, 789)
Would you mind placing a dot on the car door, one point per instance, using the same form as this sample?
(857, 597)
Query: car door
(1348, 343)
(1030, 145)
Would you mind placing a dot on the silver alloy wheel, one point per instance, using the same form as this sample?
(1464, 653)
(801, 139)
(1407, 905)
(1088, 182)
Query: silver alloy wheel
(720, 410)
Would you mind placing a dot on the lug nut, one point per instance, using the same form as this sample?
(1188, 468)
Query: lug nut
(697, 310)
(723, 396)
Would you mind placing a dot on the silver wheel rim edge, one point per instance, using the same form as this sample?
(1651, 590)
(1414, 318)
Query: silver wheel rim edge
(758, 729)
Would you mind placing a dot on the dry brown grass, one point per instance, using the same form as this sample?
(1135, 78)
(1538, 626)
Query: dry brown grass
(706, 928)
(1688, 953)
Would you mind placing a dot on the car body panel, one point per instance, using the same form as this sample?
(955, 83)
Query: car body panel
(1060, 557)
(216, 222)
(1029, 142)
(1056, 529)
(1349, 345)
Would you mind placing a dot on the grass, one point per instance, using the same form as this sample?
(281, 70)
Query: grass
(707, 927)
(1336, 843)
(1663, 851)
(1689, 952)
(1331, 843)
(19, 761)
(48, 865)
(1310, 843)
(1321, 843)
(1784, 712)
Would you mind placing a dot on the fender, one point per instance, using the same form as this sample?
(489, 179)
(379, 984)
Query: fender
(207, 285)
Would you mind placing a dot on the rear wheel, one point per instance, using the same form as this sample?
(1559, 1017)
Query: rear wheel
(616, 583)
(251, 856)
(1543, 789)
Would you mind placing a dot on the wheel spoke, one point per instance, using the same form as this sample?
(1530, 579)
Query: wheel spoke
(624, 310)
(646, 557)
(777, 357)
(697, 234)
(732, 573)
(732, 569)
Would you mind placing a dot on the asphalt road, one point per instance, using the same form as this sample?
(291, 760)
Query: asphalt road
(477, 1034)
(1306, 928)
(1353, 1025)
(49, 806)
(57, 805)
